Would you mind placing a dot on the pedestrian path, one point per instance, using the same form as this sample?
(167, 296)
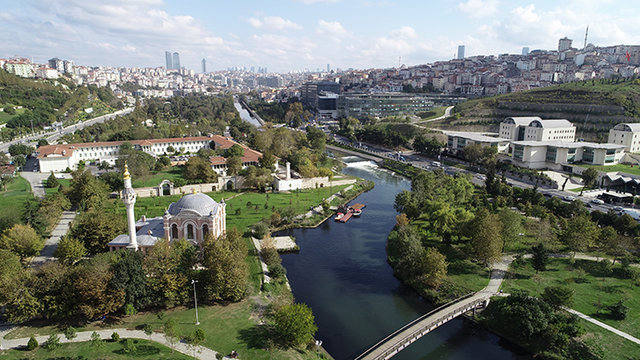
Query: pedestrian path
(199, 352)
(58, 232)
(604, 326)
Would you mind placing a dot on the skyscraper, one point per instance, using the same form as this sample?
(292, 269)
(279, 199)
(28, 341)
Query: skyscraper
(525, 51)
(328, 68)
(460, 51)
(204, 65)
(176, 61)
(169, 61)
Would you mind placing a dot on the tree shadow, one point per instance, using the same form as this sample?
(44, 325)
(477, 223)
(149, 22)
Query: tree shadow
(256, 337)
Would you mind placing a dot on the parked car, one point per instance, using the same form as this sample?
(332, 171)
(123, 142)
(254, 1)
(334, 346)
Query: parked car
(597, 202)
(568, 198)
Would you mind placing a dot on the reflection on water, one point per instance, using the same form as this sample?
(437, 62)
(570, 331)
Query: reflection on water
(342, 273)
(244, 115)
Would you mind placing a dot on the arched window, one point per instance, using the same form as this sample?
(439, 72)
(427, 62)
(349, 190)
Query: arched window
(205, 231)
(174, 232)
(190, 232)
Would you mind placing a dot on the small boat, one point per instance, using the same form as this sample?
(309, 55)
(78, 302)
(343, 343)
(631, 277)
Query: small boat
(356, 212)
(356, 209)
(339, 216)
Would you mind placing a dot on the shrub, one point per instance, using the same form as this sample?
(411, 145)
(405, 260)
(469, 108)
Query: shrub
(32, 344)
(129, 346)
(52, 343)
(52, 182)
(270, 256)
(260, 230)
(96, 341)
(618, 310)
(130, 310)
(115, 337)
(70, 333)
(277, 271)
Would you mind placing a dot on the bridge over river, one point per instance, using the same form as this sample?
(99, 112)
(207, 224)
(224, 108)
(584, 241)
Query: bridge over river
(406, 335)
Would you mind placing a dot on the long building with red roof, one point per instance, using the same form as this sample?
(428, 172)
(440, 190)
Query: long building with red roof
(58, 158)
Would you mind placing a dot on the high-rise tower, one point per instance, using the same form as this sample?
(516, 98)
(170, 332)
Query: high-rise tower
(168, 59)
(129, 200)
(176, 61)
(204, 66)
(460, 51)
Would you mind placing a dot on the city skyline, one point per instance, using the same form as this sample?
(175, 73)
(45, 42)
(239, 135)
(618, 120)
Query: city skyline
(296, 35)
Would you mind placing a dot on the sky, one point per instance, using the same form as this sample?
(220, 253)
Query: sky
(295, 35)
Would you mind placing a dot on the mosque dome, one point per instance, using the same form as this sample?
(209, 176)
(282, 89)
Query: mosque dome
(199, 203)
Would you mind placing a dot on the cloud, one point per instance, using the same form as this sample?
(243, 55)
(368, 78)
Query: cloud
(332, 30)
(479, 8)
(273, 23)
(405, 32)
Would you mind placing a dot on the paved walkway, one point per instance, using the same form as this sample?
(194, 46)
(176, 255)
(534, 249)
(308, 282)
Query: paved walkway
(199, 352)
(35, 179)
(447, 113)
(58, 232)
(605, 326)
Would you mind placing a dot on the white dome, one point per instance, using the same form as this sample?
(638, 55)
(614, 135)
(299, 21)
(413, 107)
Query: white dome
(199, 203)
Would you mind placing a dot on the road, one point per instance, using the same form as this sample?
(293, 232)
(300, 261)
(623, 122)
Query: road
(447, 113)
(55, 135)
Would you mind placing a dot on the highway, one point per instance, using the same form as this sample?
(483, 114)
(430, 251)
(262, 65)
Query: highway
(55, 135)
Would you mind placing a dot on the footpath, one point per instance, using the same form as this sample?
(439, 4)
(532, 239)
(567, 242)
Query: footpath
(199, 352)
(58, 232)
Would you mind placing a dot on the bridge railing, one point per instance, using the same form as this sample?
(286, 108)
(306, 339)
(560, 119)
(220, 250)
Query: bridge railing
(401, 343)
(417, 320)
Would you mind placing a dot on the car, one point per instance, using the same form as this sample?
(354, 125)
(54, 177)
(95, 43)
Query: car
(618, 208)
(568, 198)
(597, 202)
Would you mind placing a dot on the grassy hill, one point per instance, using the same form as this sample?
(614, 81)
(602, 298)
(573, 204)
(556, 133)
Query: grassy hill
(594, 106)
(42, 102)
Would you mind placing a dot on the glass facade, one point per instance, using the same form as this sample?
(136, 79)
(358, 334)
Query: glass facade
(382, 105)
(518, 152)
(551, 153)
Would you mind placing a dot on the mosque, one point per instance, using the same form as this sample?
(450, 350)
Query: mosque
(193, 217)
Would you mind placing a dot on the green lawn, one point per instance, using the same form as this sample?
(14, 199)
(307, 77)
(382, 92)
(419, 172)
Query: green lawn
(226, 327)
(629, 169)
(615, 347)
(63, 182)
(434, 113)
(4, 117)
(84, 350)
(17, 193)
(591, 289)
(156, 177)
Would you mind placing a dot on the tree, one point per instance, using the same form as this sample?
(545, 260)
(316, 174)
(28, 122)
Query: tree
(234, 165)
(129, 277)
(427, 145)
(139, 162)
(170, 332)
(147, 329)
(19, 161)
(70, 250)
(32, 344)
(90, 282)
(86, 191)
(260, 229)
(96, 229)
(317, 138)
(618, 310)
(433, 269)
(11, 276)
(129, 346)
(169, 268)
(52, 343)
(511, 226)
(22, 240)
(235, 150)
(558, 296)
(70, 332)
(198, 170)
(115, 337)
(540, 257)
(113, 179)
(52, 182)
(267, 161)
(590, 178)
(294, 325)
(226, 277)
(477, 153)
(20, 149)
(163, 162)
(579, 234)
(96, 341)
(486, 238)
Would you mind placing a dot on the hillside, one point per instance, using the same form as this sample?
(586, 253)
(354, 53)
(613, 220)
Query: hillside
(42, 102)
(593, 106)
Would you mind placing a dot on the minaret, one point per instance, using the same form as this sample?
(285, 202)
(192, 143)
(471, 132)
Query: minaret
(129, 200)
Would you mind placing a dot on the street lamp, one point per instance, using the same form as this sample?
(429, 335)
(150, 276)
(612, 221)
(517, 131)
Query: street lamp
(195, 299)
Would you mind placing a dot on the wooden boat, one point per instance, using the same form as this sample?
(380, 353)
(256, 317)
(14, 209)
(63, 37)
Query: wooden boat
(346, 217)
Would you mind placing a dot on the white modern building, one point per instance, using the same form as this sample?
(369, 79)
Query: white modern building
(533, 128)
(456, 141)
(550, 154)
(627, 135)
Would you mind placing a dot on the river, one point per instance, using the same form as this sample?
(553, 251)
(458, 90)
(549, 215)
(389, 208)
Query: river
(244, 114)
(341, 272)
